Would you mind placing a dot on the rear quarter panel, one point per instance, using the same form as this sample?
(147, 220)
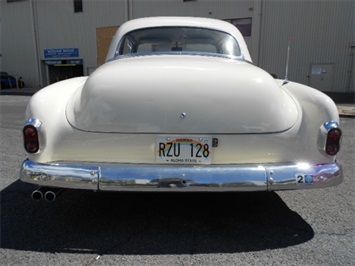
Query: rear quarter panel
(48, 106)
(317, 108)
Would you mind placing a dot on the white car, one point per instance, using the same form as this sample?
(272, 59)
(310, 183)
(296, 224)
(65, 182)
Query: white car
(179, 106)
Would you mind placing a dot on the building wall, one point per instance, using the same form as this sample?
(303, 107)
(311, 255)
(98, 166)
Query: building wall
(18, 40)
(60, 27)
(0, 43)
(320, 30)
(322, 33)
(29, 27)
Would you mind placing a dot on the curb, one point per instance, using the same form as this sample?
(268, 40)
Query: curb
(20, 92)
(346, 110)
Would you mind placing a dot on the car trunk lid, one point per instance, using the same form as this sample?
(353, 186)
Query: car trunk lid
(182, 94)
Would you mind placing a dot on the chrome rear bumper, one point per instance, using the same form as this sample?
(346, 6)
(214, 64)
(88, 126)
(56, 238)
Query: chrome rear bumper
(133, 177)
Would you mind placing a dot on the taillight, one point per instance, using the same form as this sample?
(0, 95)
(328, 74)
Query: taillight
(332, 145)
(31, 139)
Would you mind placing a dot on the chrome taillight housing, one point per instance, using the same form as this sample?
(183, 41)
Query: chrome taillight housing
(32, 136)
(329, 138)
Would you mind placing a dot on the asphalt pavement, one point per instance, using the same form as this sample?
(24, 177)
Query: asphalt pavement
(304, 227)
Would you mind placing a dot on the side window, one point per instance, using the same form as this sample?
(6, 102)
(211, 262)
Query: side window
(243, 25)
(154, 47)
(201, 47)
(128, 47)
(145, 47)
(78, 6)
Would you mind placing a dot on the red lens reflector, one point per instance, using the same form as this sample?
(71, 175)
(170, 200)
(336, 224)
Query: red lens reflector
(31, 140)
(332, 146)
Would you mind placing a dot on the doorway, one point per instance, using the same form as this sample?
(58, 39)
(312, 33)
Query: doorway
(58, 70)
(321, 76)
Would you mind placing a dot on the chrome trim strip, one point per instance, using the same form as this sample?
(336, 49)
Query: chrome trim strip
(132, 177)
(132, 55)
(330, 125)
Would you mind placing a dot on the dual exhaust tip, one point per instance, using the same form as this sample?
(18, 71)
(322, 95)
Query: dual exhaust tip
(47, 194)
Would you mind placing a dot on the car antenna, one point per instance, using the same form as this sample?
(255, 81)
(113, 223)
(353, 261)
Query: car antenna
(287, 61)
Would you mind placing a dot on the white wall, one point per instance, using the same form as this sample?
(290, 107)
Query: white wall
(320, 29)
(17, 41)
(321, 33)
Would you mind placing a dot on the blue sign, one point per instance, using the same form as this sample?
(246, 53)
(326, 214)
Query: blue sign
(61, 53)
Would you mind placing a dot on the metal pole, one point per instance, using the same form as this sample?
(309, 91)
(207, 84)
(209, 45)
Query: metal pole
(287, 61)
(35, 42)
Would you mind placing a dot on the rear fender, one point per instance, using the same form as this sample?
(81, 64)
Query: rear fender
(48, 107)
(317, 109)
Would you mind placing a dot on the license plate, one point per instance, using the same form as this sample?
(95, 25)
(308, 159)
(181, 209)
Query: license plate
(184, 149)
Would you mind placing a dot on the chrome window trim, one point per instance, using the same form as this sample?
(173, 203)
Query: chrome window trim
(118, 57)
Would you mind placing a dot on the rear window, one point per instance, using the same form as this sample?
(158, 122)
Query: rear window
(179, 40)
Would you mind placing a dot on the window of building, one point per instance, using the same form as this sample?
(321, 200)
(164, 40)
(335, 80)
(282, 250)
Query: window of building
(78, 6)
(13, 1)
(243, 25)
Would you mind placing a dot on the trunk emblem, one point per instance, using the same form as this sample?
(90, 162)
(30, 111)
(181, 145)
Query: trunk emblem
(183, 115)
